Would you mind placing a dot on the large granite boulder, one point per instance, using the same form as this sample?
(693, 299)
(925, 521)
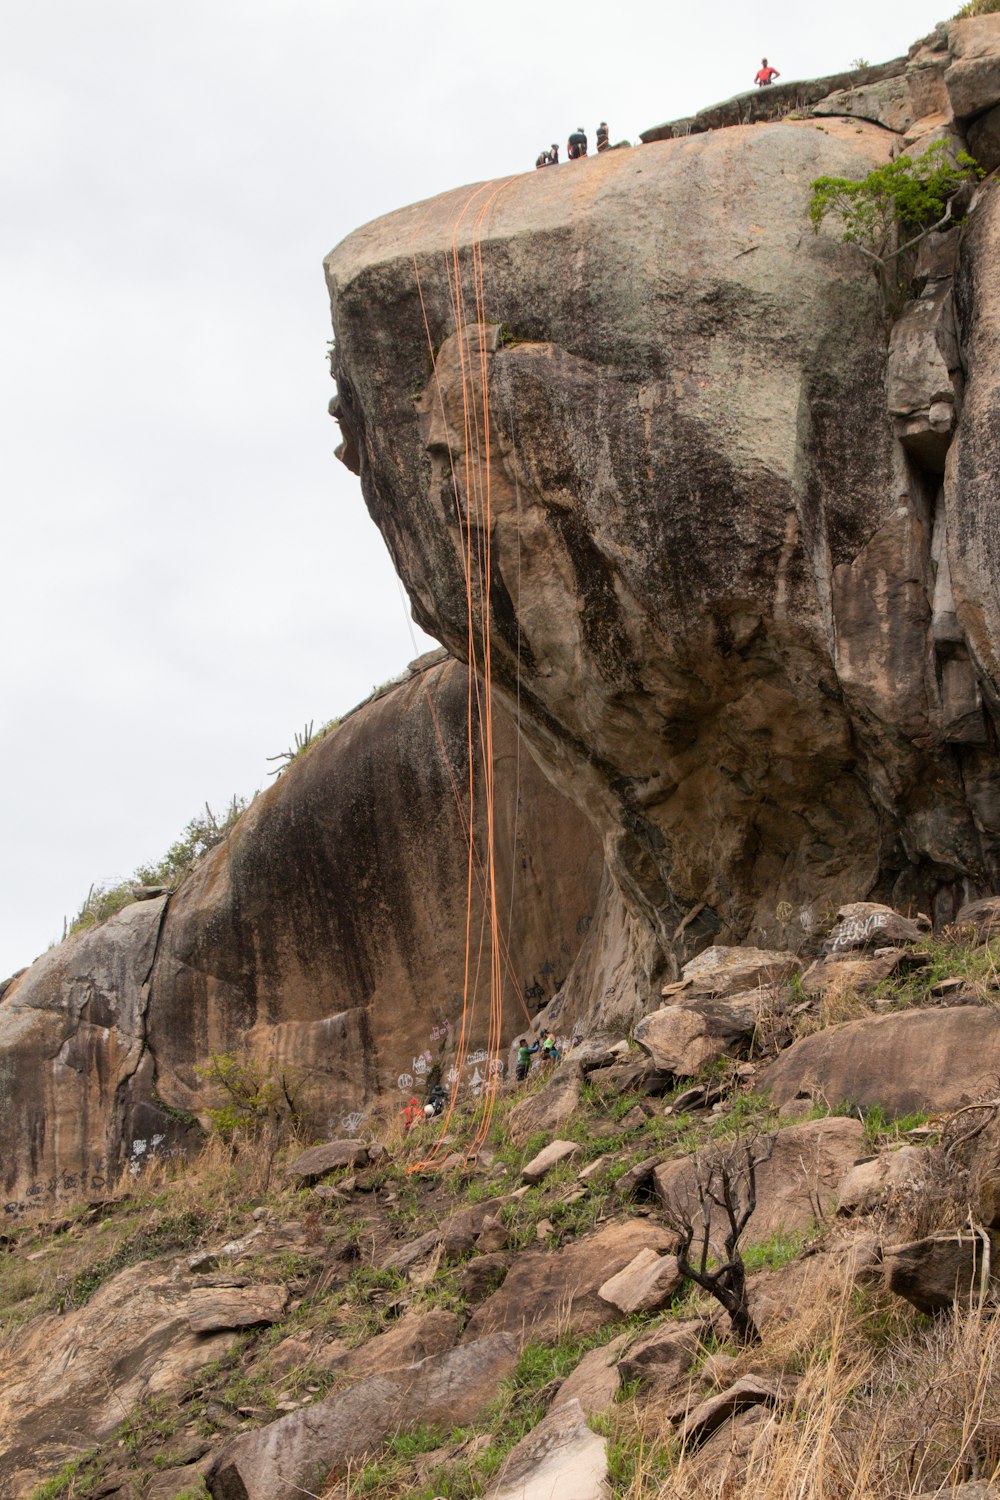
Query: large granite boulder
(712, 564)
(326, 933)
(932, 1060)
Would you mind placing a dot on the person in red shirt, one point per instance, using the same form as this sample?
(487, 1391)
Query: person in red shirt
(766, 75)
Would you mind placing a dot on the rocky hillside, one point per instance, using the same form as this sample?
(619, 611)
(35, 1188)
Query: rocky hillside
(387, 1315)
(708, 527)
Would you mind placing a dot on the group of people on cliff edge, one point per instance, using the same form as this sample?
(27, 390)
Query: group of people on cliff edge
(576, 146)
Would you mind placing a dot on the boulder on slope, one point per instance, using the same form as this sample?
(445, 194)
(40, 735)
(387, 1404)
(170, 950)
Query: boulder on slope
(799, 1181)
(549, 1107)
(277, 1461)
(646, 1284)
(933, 1060)
(317, 1161)
(685, 1037)
(559, 1457)
(546, 1294)
(941, 1270)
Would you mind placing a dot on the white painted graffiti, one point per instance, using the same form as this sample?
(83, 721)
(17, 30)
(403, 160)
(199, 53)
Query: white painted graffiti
(854, 933)
(404, 1082)
(351, 1122)
(142, 1151)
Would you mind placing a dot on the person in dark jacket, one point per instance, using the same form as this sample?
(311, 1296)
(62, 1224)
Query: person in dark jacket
(603, 144)
(524, 1055)
(576, 146)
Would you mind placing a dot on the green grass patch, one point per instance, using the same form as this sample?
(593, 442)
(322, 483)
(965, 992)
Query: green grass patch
(774, 1252)
(174, 1233)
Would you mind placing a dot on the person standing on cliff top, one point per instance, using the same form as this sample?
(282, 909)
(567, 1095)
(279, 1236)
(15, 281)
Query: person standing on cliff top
(603, 144)
(576, 146)
(766, 75)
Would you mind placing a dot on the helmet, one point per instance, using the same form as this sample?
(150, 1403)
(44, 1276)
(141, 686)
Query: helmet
(428, 1110)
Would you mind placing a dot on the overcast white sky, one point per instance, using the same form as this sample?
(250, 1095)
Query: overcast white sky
(188, 576)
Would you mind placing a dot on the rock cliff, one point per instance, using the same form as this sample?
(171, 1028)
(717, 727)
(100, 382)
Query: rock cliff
(750, 631)
(328, 932)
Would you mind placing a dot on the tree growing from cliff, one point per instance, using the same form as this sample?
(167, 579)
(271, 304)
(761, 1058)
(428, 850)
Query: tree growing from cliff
(258, 1097)
(723, 1193)
(886, 214)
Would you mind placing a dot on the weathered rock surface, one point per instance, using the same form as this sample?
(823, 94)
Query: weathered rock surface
(561, 1456)
(982, 916)
(213, 1309)
(594, 1382)
(720, 972)
(66, 1379)
(663, 1356)
(748, 1391)
(550, 1107)
(973, 79)
(682, 1039)
(275, 1461)
(646, 1284)
(412, 1338)
(797, 1184)
(869, 1184)
(930, 1060)
(869, 924)
(545, 1294)
(550, 1156)
(936, 1272)
(327, 932)
(327, 1157)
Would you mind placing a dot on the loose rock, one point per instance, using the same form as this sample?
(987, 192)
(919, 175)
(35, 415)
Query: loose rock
(646, 1284)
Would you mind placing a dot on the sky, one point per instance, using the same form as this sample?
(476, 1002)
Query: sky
(188, 575)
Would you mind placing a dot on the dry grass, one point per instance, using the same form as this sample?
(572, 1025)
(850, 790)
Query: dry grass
(880, 1404)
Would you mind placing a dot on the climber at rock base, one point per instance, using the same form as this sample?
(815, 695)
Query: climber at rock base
(524, 1055)
(603, 143)
(576, 146)
(550, 1051)
(436, 1101)
(412, 1112)
(765, 75)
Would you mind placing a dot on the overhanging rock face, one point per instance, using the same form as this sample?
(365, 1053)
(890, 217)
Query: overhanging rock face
(713, 561)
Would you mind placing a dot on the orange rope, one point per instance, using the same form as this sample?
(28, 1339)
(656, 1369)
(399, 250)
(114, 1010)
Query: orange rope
(479, 706)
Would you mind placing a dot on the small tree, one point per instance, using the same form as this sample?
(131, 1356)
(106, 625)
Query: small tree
(724, 1189)
(905, 199)
(258, 1097)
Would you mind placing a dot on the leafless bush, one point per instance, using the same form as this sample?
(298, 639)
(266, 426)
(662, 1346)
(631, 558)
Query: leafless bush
(722, 1198)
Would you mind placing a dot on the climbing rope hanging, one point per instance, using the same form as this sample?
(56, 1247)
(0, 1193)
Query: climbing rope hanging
(474, 485)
